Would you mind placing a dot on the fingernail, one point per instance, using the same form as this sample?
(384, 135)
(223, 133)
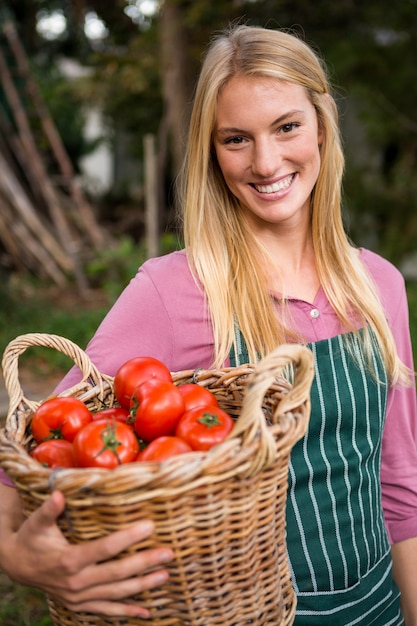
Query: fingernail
(146, 526)
(161, 577)
(167, 555)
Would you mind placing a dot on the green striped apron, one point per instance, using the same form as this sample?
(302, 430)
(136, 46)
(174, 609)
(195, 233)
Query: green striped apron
(337, 542)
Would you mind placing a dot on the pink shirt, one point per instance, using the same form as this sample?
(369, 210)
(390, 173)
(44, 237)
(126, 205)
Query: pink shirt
(162, 313)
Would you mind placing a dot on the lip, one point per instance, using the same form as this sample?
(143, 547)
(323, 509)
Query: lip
(272, 189)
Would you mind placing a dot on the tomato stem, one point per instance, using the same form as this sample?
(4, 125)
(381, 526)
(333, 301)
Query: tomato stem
(209, 420)
(55, 433)
(110, 442)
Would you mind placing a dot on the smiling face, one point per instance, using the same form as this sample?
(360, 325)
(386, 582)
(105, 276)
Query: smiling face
(267, 142)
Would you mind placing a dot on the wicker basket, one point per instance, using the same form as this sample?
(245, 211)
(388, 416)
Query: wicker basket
(222, 511)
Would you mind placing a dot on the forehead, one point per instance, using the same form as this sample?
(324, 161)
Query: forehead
(248, 95)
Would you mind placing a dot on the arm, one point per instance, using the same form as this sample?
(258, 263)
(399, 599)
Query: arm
(399, 442)
(34, 552)
(399, 468)
(404, 555)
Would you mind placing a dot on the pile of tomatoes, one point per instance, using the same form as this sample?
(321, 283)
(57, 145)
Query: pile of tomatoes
(153, 420)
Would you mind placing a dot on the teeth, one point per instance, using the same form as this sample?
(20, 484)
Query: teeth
(282, 184)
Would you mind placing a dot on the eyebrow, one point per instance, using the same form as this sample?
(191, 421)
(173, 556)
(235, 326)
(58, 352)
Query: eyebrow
(279, 120)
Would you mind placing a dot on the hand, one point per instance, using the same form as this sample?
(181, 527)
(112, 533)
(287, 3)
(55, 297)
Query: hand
(37, 554)
(404, 556)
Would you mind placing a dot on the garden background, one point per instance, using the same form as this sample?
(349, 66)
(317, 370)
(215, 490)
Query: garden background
(116, 80)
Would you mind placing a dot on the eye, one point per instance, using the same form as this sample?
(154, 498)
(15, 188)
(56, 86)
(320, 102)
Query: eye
(234, 140)
(288, 127)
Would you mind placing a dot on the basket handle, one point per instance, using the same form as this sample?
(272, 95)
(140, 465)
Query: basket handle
(19, 345)
(251, 423)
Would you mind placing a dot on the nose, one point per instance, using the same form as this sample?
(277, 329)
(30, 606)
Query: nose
(265, 158)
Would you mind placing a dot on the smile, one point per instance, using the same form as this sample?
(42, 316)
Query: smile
(279, 186)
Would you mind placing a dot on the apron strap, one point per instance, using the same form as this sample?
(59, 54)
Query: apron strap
(238, 355)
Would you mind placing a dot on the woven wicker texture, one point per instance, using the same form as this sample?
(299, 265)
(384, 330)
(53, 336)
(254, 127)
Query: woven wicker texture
(222, 511)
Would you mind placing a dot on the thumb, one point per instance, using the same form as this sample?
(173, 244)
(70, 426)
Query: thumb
(51, 509)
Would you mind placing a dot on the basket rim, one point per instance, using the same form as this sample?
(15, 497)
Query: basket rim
(252, 445)
(182, 472)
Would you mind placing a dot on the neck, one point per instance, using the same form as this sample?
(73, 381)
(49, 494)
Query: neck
(293, 267)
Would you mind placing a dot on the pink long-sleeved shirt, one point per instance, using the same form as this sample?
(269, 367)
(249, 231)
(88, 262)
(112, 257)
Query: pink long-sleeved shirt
(163, 313)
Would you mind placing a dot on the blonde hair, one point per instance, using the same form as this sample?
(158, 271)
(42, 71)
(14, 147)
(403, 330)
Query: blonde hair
(221, 248)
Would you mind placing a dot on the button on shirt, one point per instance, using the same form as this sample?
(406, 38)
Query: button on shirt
(314, 320)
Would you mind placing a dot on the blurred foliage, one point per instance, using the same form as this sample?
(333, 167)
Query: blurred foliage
(27, 306)
(127, 87)
(66, 105)
(369, 47)
(113, 268)
(69, 313)
(22, 606)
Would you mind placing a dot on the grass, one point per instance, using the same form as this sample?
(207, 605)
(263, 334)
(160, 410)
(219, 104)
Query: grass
(37, 310)
(22, 606)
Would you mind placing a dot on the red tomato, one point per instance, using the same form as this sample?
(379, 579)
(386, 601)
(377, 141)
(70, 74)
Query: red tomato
(194, 395)
(119, 413)
(204, 427)
(157, 406)
(55, 453)
(134, 372)
(163, 448)
(59, 418)
(105, 443)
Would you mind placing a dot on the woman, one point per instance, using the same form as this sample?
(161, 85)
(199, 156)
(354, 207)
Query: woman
(267, 261)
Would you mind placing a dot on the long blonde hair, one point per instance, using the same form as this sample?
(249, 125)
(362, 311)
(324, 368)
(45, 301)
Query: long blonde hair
(222, 251)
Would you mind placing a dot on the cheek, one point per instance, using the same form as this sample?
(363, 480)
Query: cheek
(309, 155)
(222, 159)
(230, 165)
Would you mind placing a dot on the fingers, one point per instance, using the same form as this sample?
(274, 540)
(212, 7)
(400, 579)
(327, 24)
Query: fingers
(102, 587)
(107, 598)
(32, 550)
(91, 576)
(47, 514)
(112, 609)
(121, 577)
(101, 551)
(88, 556)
